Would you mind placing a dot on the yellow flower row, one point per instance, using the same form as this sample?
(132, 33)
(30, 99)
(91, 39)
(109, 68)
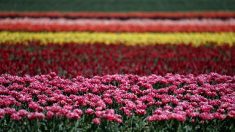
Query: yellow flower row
(119, 38)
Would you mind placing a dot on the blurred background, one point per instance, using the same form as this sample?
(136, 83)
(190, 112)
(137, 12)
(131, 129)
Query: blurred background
(116, 5)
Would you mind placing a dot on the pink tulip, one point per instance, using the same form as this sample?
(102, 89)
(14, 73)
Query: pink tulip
(96, 121)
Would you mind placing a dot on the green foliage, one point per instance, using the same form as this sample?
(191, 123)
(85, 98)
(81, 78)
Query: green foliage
(132, 124)
(116, 5)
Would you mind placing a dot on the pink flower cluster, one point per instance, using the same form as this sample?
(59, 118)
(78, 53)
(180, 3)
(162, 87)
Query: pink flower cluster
(110, 22)
(116, 25)
(110, 97)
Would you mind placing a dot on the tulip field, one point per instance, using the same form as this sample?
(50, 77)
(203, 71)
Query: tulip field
(117, 67)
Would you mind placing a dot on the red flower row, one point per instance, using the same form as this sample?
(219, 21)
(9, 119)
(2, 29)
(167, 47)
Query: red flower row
(151, 15)
(110, 97)
(116, 28)
(88, 60)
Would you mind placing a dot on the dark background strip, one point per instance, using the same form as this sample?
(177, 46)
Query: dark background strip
(117, 5)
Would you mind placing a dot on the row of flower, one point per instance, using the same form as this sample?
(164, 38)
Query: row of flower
(197, 100)
(115, 25)
(121, 15)
(88, 60)
(195, 39)
(157, 98)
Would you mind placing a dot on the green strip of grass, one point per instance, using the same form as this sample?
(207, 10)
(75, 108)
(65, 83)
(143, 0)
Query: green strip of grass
(117, 5)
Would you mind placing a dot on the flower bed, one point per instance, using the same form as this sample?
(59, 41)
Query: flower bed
(71, 60)
(143, 39)
(122, 15)
(116, 25)
(118, 98)
(136, 71)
